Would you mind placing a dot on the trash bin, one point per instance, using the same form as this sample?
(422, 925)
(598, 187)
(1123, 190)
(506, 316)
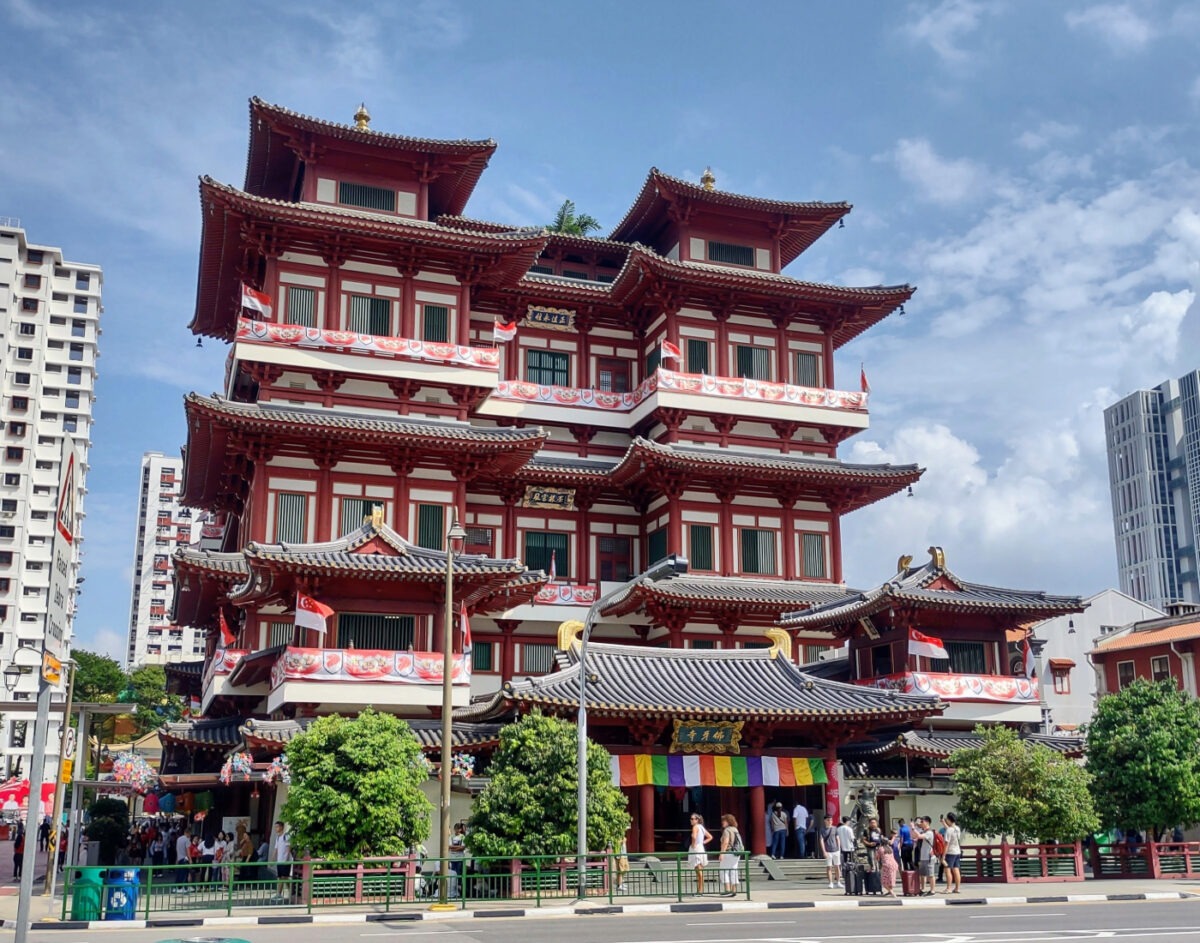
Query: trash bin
(121, 894)
(86, 893)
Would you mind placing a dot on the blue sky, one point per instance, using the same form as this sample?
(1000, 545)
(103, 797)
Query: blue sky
(1029, 166)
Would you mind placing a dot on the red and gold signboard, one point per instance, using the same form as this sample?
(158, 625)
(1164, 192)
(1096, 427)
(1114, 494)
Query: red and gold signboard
(707, 736)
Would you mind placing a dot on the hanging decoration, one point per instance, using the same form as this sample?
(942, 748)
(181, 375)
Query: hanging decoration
(133, 769)
(237, 764)
(462, 765)
(278, 770)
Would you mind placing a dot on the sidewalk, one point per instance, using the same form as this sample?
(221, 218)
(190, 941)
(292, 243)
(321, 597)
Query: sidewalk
(764, 896)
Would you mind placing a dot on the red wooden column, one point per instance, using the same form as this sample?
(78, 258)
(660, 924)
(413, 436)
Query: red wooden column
(787, 502)
(757, 824)
(646, 818)
(722, 358)
(508, 628)
(835, 545)
(725, 532)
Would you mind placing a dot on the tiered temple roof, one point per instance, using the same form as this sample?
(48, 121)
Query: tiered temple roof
(939, 745)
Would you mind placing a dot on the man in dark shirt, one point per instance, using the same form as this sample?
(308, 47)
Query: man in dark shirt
(906, 846)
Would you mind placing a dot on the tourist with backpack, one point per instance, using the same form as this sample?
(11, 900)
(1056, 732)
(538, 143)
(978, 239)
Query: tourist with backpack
(731, 855)
(925, 854)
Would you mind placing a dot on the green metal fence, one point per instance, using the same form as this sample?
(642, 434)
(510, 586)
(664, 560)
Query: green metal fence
(388, 884)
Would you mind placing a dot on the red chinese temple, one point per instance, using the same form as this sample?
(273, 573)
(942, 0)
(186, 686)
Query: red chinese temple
(583, 406)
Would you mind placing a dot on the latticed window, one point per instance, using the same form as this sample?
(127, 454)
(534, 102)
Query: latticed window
(435, 324)
(808, 369)
(281, 633)
(730, 254)
(481, 656)
(481, 540)
(431, 526)
(615, 558)
(389, 633)
(355, 511)
(537, 659)
(966, 658)
(370, 315)
(697, 356)
(700, 547)
(301, 306)
(753, 362)
(290, 512)
(368, 197)
(540, 545)
(812, 564)
(612, 376)
(547, 367)
(758, 551)
(656, 546)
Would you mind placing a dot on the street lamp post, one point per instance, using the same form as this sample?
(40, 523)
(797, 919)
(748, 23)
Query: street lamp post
(37, 772)
(669, 566)
(455, 538)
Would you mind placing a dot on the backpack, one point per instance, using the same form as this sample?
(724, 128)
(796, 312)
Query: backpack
(736, 847)
(939, 845)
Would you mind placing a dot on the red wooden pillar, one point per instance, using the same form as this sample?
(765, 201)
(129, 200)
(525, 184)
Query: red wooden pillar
(508, 628)
(835, 546)
(646, 818)
(725, 565)
(757, 824)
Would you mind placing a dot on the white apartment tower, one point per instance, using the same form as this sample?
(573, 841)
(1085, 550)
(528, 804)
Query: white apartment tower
(1153, 439)
(50, 318)
(163, 525)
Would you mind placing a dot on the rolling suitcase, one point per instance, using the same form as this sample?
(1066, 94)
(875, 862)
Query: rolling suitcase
(873, 882)
(910, 882)
(852, 877)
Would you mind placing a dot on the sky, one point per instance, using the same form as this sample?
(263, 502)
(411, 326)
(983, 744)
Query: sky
(1029, 166)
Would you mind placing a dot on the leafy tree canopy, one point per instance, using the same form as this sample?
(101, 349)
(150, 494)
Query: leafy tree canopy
(1008, 786)
(566, 220)
(109, 826)
(529, 805)
(1143, 751)
(98, 678)
(356, 787)
(153, 705)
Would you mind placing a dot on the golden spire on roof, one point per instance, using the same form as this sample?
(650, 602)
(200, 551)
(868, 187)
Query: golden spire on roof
(362, 118)
(707, 180)
(781, 643)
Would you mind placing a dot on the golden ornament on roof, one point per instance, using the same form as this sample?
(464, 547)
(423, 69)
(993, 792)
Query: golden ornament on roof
(707, 180)
(781, 643)
(569, 633)
(362, 118)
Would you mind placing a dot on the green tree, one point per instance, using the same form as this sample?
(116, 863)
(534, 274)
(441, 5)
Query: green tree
(98, 678)
(1008, 786)
(109, 826)
(566, 220)
(356, 787)
(153, 706)
(529, 804)
(1143, 751)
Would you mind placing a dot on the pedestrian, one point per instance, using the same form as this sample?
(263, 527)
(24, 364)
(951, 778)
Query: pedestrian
(697, 856)
(458, 857)
(622, 863)
(889, 862)
(873, 842)
(44, 834)
(847, 844)
(208, 854)
(828, 838)
(779, 831)
(731, 855)
(953, 853)
(18, 852)
(800, 827)
(283, 861)
(906, 846)
(925, 858)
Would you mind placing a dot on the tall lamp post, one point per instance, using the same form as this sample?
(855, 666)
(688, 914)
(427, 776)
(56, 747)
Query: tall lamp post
(665, 568)
(455, 538)
(37, 771)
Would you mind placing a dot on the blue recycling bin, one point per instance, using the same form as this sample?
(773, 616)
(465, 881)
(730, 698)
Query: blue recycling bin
(121, 888)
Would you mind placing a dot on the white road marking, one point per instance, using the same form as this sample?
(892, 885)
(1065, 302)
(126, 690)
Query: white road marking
(415, 933)
(1014, 916)
(746, 923)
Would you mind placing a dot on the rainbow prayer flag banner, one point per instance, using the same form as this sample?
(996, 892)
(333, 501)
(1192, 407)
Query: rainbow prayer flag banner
(706, 770)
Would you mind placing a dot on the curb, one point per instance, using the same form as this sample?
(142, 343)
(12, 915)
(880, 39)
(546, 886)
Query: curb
(693, 907)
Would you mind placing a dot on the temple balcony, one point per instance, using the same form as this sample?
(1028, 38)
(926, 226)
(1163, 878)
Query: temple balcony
(690, 393)
(339, 679)
(997, 698)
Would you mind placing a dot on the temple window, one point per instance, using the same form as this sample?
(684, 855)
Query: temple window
(697, 356)
(653, 359)
(369, 630)
(431, 526)
(541, 269)
(536, 659)
(881, 660)
(656, 545)
(574, 273)
(548, 367)
(280, 633)
(370, 315)
(368, 197)
(612, 375)
(808, 369)
(481, 657)
(813, 557)
(290, 518)
(700, 547)
(435, 324)
(967, 658)
(354, 512)
(730, 254)
(615, 558)
(1125, 674)
(758, 551)
(481, 540)
(541, 545)
(301, 306)
(753, 363)
(1160, 668)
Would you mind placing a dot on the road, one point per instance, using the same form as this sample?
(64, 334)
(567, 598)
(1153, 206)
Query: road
(1041, 923)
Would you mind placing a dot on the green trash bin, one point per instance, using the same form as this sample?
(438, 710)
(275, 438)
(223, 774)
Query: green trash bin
(87, 892)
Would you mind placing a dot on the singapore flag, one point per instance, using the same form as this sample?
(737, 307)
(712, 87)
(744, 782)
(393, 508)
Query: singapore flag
(311, 614)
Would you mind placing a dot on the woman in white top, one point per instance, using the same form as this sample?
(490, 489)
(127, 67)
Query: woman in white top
(953, 854)
(697, 857)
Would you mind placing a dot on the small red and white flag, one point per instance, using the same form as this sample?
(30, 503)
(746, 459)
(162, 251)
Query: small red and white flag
(311, 614)
(256, 301)
(670, 352)
(464, 628)
(503, 333)
(1027, 658)
(862, 378)
(227, 637)
(553, 566)
(925, 646)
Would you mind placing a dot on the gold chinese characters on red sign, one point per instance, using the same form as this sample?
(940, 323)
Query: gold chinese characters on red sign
(707, 736)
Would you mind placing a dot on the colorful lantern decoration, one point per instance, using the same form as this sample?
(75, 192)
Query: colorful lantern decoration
(133, 769)
(237, 764)
(278, 770)
(462, 765)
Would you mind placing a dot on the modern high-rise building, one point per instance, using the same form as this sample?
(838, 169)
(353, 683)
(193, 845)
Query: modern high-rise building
(50, 317)
(1153, 439)
(163, 525)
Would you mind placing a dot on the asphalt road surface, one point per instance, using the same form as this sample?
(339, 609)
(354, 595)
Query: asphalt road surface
(1041, 923)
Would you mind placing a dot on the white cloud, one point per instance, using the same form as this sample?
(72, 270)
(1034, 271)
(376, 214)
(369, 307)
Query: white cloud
(1121, 28)
(1045, 134)
(1194, 89)
(944, 27)
(942, 180)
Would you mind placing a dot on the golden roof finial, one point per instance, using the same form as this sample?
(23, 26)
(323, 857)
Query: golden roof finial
(362, 118)
(938, 556)
(570, 634)
(707, 180)
(781, 643)
(377, 517)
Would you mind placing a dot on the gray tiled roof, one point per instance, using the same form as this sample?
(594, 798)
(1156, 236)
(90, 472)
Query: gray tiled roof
(428, 732)
(745, 683)
(744, 591)
(712, 455)
(220, 732)
(233, 564)
(939, 744)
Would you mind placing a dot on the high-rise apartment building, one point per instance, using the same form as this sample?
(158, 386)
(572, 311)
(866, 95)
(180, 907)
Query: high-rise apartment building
(1153, 441)
(50, 318)
(163, 525)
